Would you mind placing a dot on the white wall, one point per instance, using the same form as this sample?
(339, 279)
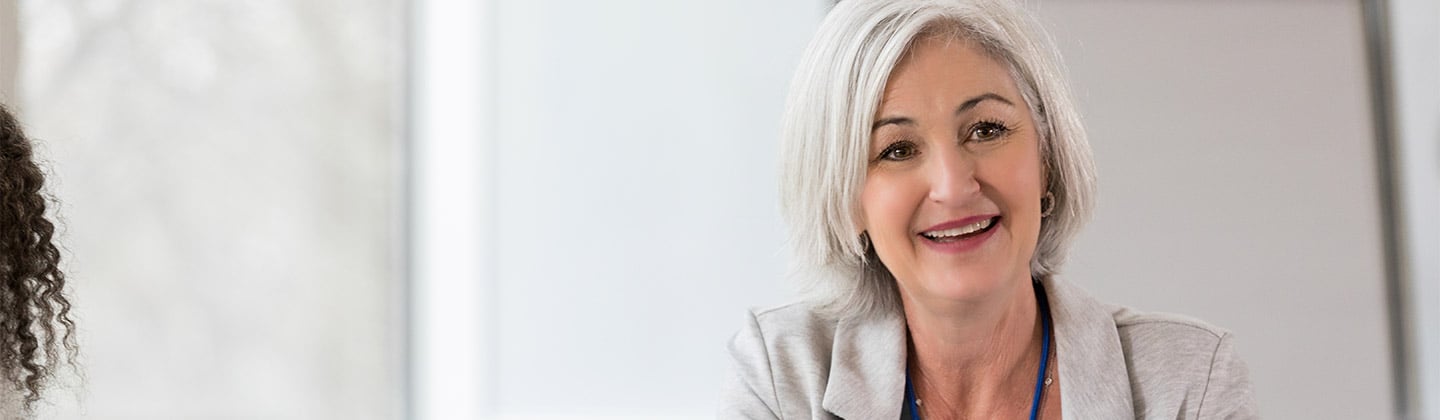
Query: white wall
(635, 197)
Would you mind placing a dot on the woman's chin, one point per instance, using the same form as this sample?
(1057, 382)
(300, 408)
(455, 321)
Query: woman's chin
(970, 285)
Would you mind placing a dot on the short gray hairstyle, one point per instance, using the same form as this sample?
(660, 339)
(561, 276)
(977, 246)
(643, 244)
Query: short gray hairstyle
(827, 127)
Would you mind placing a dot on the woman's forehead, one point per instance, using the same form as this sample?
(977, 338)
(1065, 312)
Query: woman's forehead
(944, 70)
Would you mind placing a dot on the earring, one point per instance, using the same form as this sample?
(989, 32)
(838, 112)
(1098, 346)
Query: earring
(1048, 204)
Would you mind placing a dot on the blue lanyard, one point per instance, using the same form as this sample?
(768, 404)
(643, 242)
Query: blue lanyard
(1039, 377)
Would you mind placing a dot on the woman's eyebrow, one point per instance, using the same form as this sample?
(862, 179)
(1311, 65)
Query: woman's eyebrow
(970, 103)
(981, 98)
(892, 120)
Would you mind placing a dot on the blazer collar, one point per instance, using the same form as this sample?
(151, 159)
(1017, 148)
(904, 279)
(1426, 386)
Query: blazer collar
(867, 362)
(1094, 379)
(867, 368)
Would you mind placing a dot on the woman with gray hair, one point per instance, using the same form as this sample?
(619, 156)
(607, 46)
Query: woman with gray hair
(934, 173)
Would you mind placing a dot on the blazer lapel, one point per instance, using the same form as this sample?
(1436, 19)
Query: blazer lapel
(867, 368)
(1095, 382)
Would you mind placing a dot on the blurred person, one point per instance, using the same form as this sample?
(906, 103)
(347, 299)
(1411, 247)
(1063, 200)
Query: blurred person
(934, 172)
(36, 330)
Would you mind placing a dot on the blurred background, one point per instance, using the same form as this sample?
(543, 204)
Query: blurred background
(556, 209)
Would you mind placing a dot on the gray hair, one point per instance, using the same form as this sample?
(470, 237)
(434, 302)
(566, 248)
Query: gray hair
(830, 109)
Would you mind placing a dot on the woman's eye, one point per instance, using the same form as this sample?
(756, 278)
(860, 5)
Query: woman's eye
(987, 131)
(898, 151)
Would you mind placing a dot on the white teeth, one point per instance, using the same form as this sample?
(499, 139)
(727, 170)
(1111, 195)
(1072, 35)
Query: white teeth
(967, 229)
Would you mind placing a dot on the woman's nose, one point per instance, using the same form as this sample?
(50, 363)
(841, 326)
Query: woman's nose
(952, 177)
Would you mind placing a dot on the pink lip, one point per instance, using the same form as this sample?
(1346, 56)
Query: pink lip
(958, 223)
(963, 245)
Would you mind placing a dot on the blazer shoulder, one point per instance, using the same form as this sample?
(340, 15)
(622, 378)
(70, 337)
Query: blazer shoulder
(792, 317)
(794, 331)
(779, 353)
(1165, 331)
(1182, 365)
(1176, 346)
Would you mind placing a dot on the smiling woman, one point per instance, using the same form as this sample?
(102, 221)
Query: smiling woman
(935, 172)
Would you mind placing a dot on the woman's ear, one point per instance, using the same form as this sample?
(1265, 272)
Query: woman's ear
(857, 220)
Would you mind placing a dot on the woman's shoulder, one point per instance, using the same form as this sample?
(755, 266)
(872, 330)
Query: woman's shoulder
(797, 327)
(780, 354)
(1146, 338)
(793, 315)
(1170, 347)
(1165, 329)
(1177, 358)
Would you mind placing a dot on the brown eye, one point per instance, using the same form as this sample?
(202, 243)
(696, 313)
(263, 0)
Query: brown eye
(899, 151)
(988, 131)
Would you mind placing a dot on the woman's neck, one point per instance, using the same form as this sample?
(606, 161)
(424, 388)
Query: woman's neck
(977, 357)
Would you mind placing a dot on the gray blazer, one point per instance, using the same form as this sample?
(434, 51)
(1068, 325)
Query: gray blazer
(1114, 363)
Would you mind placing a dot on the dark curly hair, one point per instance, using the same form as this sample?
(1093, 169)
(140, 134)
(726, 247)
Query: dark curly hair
(37, 334)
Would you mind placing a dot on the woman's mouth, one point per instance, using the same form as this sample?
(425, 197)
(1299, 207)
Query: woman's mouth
(961, 236)
(962, 232)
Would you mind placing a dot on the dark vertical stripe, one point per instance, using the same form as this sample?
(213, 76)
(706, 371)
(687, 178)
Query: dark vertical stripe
(1377, 41)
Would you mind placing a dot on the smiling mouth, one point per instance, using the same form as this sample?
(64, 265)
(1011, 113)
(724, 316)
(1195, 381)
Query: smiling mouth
(962, 232)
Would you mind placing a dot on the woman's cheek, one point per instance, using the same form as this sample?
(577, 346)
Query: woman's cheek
(891, 202)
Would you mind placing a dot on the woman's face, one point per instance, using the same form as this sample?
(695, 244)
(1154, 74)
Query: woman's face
(952, 195)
